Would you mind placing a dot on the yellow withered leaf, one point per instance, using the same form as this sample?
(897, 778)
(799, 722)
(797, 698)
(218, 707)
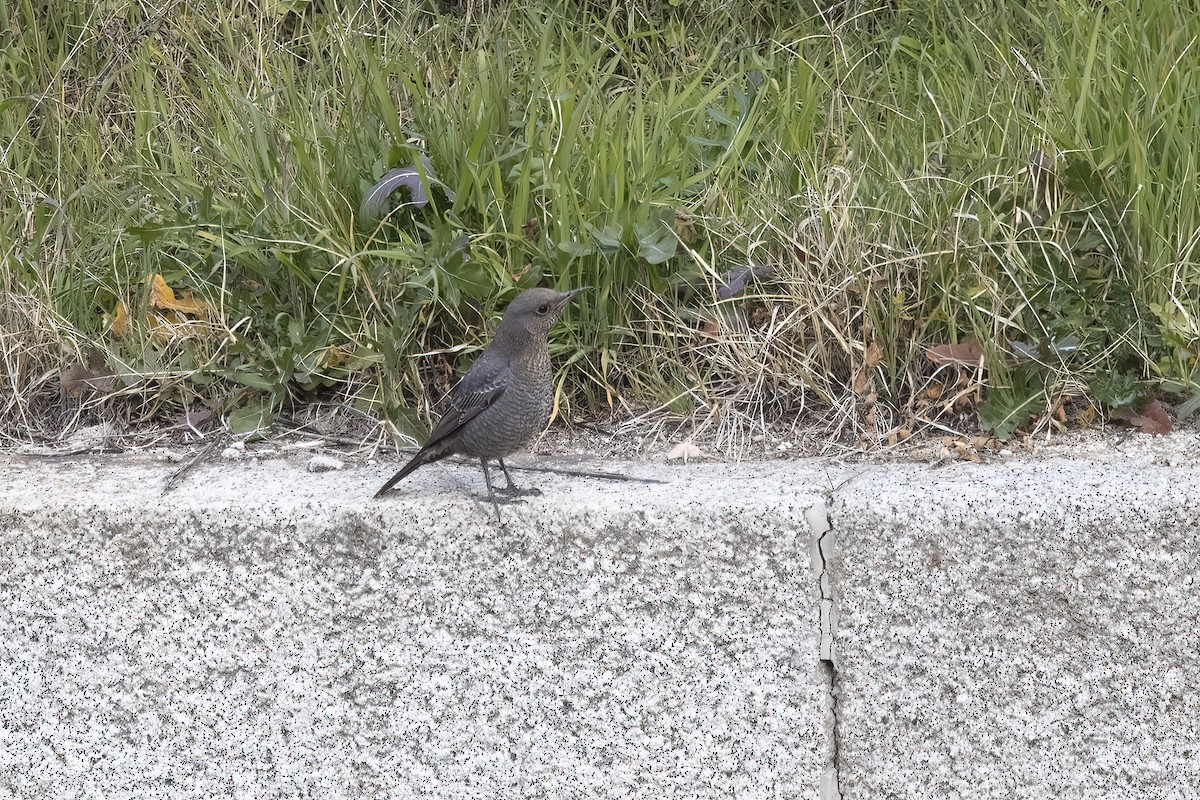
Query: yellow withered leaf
(163, 296)
(332, 356)
(118, 323)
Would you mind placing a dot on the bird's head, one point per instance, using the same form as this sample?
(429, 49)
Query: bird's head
(535, 310)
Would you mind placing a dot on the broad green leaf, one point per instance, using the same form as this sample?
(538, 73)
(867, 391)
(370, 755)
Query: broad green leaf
(1003, 411)
(656, 242)
(250, 420)
(576, 249)
(608, 237)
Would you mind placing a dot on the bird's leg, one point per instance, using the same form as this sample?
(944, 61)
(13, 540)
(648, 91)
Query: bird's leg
(507, 477)
(512, 489)
(487, 477)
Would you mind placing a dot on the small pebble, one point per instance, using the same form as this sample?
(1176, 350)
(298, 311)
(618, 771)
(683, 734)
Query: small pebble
(320, 463)
(684, 451)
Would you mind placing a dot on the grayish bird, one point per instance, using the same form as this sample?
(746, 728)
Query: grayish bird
(504, 400)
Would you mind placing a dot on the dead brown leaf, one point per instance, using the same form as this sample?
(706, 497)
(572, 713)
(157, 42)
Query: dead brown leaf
(1152, 418)
(862, 382)
(197, 416)
(963, 354)
(980, 442)
(685, 226)
(964, 450)
(75, 379)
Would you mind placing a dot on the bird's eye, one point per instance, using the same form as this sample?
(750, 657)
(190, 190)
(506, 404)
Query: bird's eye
(543, 309)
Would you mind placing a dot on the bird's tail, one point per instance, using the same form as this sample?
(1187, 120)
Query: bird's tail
(422, 457)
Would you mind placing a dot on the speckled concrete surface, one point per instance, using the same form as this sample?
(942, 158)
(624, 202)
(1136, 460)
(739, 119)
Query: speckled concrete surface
(265, 632)
(1021, 630)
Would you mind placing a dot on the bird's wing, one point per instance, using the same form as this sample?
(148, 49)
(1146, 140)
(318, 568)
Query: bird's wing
(480, 387)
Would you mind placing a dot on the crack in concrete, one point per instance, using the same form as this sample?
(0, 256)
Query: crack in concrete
(822, 544)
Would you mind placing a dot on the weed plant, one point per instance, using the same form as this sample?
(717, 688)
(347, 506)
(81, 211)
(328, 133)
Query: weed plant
(780, 207)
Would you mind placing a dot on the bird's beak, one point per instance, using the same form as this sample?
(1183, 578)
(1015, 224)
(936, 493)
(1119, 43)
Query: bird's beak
(567, 296)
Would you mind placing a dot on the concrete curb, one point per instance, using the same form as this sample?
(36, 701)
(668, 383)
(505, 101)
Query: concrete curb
(752, 631)
(1025, 630)
(265, 632)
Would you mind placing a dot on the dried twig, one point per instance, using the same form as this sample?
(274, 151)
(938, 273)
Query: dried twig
(196, 459)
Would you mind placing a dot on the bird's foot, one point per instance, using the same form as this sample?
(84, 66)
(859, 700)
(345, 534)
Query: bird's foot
(509, 500)
(514, 492)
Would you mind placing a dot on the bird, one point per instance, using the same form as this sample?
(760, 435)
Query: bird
(505, 398)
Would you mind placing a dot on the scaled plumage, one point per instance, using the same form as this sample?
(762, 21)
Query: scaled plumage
(504, 400)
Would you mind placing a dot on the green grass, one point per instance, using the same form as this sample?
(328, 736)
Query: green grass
(908, 175)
